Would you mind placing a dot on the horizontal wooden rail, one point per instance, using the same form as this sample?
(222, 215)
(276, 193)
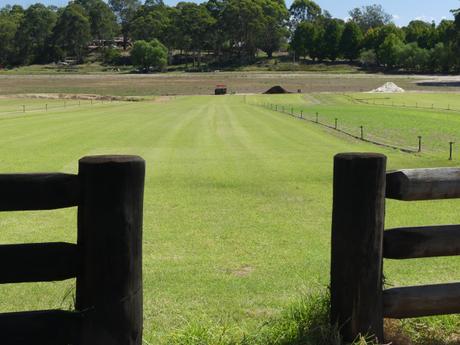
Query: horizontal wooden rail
(421, 242)
(53, 327)
(37, 262)
(423, 184)
(23, 192)
(420, 301)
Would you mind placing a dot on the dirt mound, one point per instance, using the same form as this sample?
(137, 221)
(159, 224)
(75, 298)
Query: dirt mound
(276, 90)
(389, 88)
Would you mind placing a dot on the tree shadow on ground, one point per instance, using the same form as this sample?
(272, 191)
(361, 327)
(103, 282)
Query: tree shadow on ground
(440, 83)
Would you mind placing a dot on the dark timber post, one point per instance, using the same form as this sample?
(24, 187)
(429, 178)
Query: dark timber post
(451, 147)
(336, 123)
(109, 280)
(357, 235)
(362, 132)
(419, 143)
(317, 119)
(301, 114)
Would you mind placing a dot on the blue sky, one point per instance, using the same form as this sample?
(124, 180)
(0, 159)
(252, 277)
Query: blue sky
(402, 10)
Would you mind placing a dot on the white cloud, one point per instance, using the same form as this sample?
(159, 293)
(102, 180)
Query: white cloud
(396, 16)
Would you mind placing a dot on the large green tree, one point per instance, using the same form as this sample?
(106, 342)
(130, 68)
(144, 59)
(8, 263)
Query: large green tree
(102, 19)
(390, 51)
(10, 19)
(369, 17)
(151, 21)
(275, 31)
(149, 55)
(125, 11)
(244, 22)
(304, 10)
(423, 33)
(307, 40)
(331, 39)
(351, 41)
(72, 33)
(34, 34)
(194, 24)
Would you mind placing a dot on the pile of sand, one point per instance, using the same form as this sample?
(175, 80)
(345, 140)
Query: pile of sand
(276, 90)
(389, 88)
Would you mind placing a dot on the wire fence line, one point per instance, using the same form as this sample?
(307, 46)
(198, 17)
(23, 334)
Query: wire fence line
(391, 103)
(360, 132)
(24, 108)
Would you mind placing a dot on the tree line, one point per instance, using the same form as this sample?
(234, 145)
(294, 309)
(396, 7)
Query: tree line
(222, 33)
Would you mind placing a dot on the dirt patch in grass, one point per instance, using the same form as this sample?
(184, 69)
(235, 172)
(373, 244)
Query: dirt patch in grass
(242, 271)
(163, 99)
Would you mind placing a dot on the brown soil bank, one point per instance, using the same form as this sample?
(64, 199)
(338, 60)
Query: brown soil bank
(204, 83)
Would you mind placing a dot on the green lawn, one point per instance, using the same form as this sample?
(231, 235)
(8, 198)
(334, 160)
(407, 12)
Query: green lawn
(237, 202)
(396, 125)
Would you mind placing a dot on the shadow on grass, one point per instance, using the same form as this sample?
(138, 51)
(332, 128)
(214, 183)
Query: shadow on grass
(440, 83)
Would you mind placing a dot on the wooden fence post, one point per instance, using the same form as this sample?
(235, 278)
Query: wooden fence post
(357, 235)
(109, 279)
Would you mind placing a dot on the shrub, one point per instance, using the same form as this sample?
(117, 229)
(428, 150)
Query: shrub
(149, 55)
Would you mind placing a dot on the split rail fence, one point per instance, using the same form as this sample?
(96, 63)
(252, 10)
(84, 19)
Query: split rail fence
(359, 302)
(106, 260)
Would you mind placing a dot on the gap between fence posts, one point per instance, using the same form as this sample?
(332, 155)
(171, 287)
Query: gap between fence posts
(357, 237)
(109, 283)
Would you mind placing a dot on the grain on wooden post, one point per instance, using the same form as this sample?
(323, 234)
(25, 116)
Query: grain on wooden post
(109, 281)
(451, 148)
(423, 184)
(421, 242)
(419, 143)
(357, 233)
(420, 301)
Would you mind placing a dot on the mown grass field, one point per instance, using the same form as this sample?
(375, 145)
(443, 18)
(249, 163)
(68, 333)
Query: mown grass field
(237, 203)
(396, 119)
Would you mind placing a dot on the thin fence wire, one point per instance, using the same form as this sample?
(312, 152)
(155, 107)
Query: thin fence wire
(415, 105)
(357, 134)
(24, 108)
